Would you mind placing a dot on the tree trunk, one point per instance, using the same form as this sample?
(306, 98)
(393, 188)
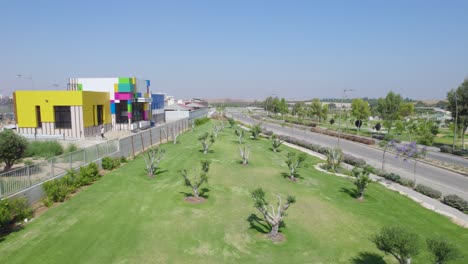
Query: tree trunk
(195, 192)
(8, 166)
(383, 158)
(361, 196)
(274, 230)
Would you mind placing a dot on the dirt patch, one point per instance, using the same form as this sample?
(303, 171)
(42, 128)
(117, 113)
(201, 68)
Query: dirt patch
(278, 238)
(292, 179)
(195, 200)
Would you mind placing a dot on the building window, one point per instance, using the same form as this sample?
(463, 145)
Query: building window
(100, 114)
(137, 111)
(62, 117)
(121, 112)
(38, 116)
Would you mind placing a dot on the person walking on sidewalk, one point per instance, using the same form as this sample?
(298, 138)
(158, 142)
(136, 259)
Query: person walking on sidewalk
(102, 132)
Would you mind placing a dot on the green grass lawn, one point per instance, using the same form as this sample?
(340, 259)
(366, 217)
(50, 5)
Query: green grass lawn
(127, 217)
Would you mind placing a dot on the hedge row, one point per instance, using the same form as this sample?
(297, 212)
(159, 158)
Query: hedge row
(13, 211)
(58, 190)
(448, 149)
(351, 137)
(109, 163)
(450, 200)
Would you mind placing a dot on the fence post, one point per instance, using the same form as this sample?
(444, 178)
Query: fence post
(107, 145)
(97, 152)
(133, 148)
(51, 167)
(84, 156)
(70, 159)
(142, 143)
(151, 137)
(160, 135)
(29, 176)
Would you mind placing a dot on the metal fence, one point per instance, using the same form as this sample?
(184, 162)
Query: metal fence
(132, 145)
(22, 178)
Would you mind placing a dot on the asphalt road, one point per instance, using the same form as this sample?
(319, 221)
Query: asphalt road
(443, 180)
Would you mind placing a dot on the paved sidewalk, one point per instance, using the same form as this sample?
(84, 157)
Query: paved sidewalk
(432, 204)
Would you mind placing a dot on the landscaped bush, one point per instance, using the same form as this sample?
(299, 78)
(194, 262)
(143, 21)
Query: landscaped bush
(351, 160)
(446, 149)
(12, 211)
(71, 148)
(45, 149)
(378, 136)
(201, 121)
(407, 182)
(428, 191)
(392, 177)
(123, 159)
(109, 163)
(58, 190)
(457, 202)
(351, 137)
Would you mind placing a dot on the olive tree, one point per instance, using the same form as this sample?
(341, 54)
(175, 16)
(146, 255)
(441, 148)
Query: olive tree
(442, 250)
(206, 140)
(294, 162)
(398, 242)
(274, 217)
(198, 179)
(12, 147)
(334, 158)
(240, 134)
(232, 122)
(276, 142)
(255, 131)
(360, 178)
(153, 157)
(245, 153)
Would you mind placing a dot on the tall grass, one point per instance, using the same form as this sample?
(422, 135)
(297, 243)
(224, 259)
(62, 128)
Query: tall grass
(45, 149)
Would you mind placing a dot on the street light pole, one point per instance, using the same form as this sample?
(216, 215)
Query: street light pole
(455, 127)
(20, 76)
(341, 110)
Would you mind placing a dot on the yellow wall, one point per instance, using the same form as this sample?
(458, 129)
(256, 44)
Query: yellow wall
(26, 102)
(90, 102)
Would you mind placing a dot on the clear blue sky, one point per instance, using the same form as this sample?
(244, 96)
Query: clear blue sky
(240, 49)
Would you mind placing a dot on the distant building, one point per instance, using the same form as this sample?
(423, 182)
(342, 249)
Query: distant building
(129, 99)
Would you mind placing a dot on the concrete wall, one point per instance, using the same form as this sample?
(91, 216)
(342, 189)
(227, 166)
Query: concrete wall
(176, 115)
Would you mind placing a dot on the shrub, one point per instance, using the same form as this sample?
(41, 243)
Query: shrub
(47, 202)
(334, 158)
(12, 211)
(201, 121)
(123, 159)
(351, 160)
(446, 149)
(12, 147)
(458, 152)
(116, 162)
(378, 136)
(71, 148)
(45, 149)
(108, 163)
(392, 177)
(407, 182)
(5, 214)
(28, 162)
(20, 210)
(56, 190)
(456, 202)
(428, 191)
(89, 173)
